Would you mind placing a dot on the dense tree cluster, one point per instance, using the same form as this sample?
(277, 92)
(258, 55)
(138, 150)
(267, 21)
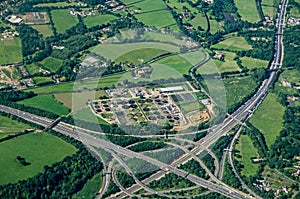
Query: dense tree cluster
(291, 48)
(220, 145)
(194, 167)
(125, 179)
(147, 146)
(171, 180)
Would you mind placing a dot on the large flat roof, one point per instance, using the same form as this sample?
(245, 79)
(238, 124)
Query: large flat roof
(172, 89)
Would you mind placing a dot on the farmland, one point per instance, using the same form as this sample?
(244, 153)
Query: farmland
(247, 151)
(97, 20)
(9, 126)
(44, 29)
(37, 149)
(47, 103)
(229, 64)
(247, 9)
(10, 51)
(160, 19)
(251, 63)
(268, 118)
(63, 20)
(176, 62)
(42, 80)
(233, 44)
(32, 68)
(269, 7)
(51, 64)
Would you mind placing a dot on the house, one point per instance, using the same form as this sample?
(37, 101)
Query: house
(219, 55)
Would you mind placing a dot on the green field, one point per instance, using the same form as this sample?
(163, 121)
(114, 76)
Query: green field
(247, 9)
(51, 63)
(42, 80)
(237, 88)
(149, 5)
(291, 76)
(176, 62)
(159, 19)
(295, 12)
(229, 64)
(140, 56)
(57, 4)
(251, 63)
(44, 29)
(9, 126)
(247, 151)
(269, 7)
(96, 20)
(199, 20)
(63, 20)
(268, 118)
(233, 44)
(91, 188)
(10, 51)
(87, 115)
(113, 51)
(38, 149)
(32, 68)
(47, 103)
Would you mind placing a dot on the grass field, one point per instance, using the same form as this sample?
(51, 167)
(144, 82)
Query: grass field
(51, 63)
(159, 19)
(295, 12)
(149, 5)
(233, 44)
(291, 76)
(247, 9)
(269, 7)
(47, 103)
(38, 149)
(176, 62)
(113, 51)
(44, 29)
(63, 20)
(229, 64)
(57, 4)
(199, 20)
(32, 68)
(10, 51)
(96, 20)
(9, 126)
(86, 114)
(268, 118)
(247, 151)
(41, 80)
(140, 56)
(251, 63)
(91, 188)
(237, 88)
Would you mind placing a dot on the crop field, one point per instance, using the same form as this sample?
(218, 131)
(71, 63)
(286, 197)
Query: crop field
(57, 4)
(91, 188)
(44, 29)
(251, 63)
(10, 51)
(229, 64)
(9, 126)
(233, 44)
(140, 56)
(47, 103)
(247, 9)
(268, 118)
(51, 63)
(113, 51)
(42, 80)
(63, 20)
(159, 19)
(96, 20)
(247, 151)
(37, 149)
(237, 88)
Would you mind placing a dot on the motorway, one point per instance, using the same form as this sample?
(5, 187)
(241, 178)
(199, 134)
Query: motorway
(219, 130)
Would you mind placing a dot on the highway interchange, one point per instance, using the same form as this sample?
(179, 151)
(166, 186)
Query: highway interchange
(241, 114)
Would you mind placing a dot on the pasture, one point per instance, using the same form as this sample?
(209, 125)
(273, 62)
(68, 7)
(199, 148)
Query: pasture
(268, 118)
(63, 20)
(32, 68)
(96, 20)
(291, 76)
(247, 151)
(42, 80)
(57, 4)
(44, 29)
(229, 64)
(52, 64)
(38, 149)
(47, 103)
(269, 7)
(9, 126)
(233, 44)
(140, 56)
(247, 9)
(149, 5)
(91, 188)
(159, 19)
(176, 62)
(87, 115)
(10, 51)
(252, 63)
(113, 51)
